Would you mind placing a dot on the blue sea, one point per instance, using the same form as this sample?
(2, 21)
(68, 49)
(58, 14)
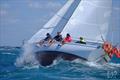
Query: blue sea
(59, 70)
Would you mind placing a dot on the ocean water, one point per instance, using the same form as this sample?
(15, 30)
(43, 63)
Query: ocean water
(59, 70)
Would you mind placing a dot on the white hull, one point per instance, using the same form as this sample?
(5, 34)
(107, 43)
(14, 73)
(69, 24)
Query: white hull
(85, 51)
(82, 50)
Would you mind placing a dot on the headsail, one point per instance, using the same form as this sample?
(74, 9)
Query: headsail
(58, 22)
(90, 20)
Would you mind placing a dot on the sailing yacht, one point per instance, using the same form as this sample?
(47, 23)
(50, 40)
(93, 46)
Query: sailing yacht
(90, 19)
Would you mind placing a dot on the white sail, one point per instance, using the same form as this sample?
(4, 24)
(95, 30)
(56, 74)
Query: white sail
(114, 29)
(58, 22)
(90, 20)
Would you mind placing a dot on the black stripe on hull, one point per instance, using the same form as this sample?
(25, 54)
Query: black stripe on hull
(46, 58)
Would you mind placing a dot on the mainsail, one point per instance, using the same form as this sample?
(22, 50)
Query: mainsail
(58, 22)
(90, 20)
(113, 35)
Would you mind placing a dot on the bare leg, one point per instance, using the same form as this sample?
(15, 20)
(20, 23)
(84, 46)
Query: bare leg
(51, 42)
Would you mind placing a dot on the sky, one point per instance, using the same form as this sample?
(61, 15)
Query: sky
(21, 19)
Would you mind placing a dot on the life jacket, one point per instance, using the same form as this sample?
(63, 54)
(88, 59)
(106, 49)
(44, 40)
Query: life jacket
(116, 51)
(111, 50)
(68, 39)
(82, 39)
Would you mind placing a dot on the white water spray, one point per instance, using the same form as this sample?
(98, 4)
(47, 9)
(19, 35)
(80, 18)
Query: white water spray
(27, 57)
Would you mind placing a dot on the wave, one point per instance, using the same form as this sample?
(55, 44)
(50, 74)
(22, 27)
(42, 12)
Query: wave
(28, 60)
(7, 53)
(31, 67)
(98, 66)
(114, 65)
(55, 62)
(30, 63)
(27, 57)
(8, 48)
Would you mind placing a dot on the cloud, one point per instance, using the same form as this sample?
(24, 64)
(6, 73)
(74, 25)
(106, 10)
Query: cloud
(5, 5)
(34, 5)
(3, 12)
(52, 4)
(47, 4)
(9, 21)
(7, 14)
(13, 21)
(4, 9)
(6, 18)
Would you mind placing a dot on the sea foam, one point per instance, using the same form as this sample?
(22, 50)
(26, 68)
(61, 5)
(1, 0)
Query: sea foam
(27, 57)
